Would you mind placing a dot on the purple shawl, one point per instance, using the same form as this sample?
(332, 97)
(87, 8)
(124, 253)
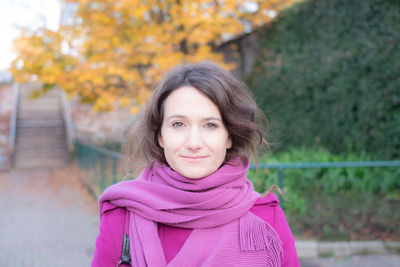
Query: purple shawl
(216, 207)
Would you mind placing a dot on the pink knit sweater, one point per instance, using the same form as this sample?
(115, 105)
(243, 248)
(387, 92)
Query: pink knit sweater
(109, 240)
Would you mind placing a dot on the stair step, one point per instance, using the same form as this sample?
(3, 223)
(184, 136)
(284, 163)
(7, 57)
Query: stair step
(42, 138)
(40, 149)
(33, 130)
(41, 162)
(40, 144)
(39, 115)
(40, 99)
(32, 137)
(27, 97)
(40, 123)
(34, 117)
(22, 151)
(21, 139)
(42, 107)
(37, 153)
(38, 102)
(31, 133)
(26, 91)
(40, 153)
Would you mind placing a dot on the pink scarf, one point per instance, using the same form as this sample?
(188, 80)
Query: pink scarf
(216, 207)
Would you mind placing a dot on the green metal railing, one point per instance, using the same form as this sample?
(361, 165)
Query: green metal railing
(320, 165)
(101, 165)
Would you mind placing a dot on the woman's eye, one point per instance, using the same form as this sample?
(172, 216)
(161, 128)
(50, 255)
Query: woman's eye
(177, 124)
(211, 125)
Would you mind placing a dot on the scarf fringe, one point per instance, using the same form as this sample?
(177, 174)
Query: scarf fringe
(256, 234)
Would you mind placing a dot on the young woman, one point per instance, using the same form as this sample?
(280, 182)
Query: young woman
(192, 205)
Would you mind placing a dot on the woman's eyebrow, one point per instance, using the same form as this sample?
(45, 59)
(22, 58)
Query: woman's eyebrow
(212, 118)
(176, 116)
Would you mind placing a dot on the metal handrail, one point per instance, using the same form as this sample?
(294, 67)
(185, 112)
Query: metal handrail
(99, 164)
(69, 123)
(279, 166)
(282, 165)
(335, 164)
(101, 150)
(13, 118)
(308, 165)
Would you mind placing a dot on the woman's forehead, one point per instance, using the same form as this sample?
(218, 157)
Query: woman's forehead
(187, 101)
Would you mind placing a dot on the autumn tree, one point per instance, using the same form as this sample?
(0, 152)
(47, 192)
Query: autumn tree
(116, 50)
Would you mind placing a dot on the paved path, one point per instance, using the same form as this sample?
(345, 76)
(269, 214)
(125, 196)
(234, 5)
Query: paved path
(355, 261)
(46, 219)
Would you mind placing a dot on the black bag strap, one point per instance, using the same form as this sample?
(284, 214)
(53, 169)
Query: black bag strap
(125, 253)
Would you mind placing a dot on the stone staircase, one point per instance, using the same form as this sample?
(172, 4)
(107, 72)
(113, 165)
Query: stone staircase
(40, 139)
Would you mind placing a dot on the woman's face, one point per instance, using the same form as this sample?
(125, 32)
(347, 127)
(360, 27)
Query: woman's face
(193, 135)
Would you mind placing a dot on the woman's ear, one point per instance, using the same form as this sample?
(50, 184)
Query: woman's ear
(229, 143)
(160, 140)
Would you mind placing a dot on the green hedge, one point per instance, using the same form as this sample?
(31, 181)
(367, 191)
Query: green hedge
(329, 74)
(381, 181)
(336, 203)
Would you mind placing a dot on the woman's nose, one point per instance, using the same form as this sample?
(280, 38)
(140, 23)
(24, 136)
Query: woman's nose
(193, 140)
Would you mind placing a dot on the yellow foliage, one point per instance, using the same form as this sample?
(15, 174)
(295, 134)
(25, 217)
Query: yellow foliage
(124, 102)
(119, 49)
(135, 110)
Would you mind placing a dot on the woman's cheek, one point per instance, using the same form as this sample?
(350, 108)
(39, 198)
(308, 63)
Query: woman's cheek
(174, 138)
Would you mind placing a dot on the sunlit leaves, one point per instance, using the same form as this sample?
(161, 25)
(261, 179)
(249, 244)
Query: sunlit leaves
(117, 50)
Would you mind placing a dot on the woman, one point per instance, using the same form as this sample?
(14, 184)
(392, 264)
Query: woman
(192, 205)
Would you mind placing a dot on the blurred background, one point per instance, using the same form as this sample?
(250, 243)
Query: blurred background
(74, 74)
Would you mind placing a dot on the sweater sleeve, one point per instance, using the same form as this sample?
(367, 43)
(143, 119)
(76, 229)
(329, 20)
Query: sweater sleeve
(269, 210)
(109, 240)
(290, 258)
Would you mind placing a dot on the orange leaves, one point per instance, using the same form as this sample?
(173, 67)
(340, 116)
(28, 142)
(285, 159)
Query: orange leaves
(50, 75)
(119, 49)
(124, 101)
(36, 56)
(135, 110)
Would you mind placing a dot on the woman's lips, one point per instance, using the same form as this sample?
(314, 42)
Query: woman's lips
(194, 158)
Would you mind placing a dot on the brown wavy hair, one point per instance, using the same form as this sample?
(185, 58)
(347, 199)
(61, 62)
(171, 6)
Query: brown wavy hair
(245, 122)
